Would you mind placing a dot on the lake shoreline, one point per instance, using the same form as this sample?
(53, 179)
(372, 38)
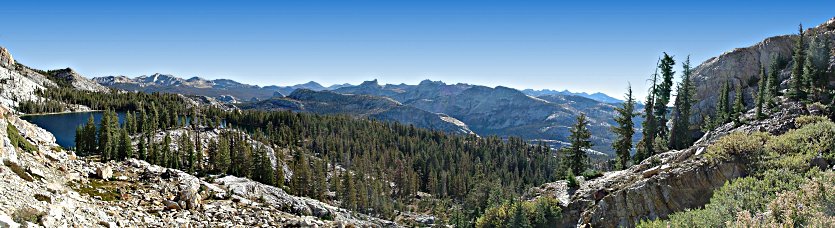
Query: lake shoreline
(59, 113)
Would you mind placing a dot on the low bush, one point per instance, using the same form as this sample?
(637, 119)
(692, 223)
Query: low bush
(808, 119)
(737, 144)
(783, 189)
(744, 194)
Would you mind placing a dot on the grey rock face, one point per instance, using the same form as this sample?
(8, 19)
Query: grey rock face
(78, 81)
(741, 66)
(6, 59)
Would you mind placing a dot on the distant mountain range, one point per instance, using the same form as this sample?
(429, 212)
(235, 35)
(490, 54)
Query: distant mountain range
(594, 96)
(223, 89)
(458, 108)
(364, 106)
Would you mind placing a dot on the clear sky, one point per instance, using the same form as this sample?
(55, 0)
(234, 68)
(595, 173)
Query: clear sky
(581, 45)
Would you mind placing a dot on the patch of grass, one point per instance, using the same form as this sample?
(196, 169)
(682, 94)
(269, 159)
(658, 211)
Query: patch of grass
(18, 140)
(18, 170)
(27, 214)
(107, 191)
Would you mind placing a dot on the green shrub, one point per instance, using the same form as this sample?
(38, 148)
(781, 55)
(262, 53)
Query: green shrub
(744, 194)
(27, 214)
(572, 180)
(779, 192)
(804, 143)
(18, 140)
(737, 144)
(808, 119)
(591, 174)
(812, 205)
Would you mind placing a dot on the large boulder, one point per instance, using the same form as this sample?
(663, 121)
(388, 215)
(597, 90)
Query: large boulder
(189, 196)
(6, 59)
(104, 172)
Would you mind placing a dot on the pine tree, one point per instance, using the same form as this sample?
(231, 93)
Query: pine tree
(125, 145)
(349, 194)
(263, 166)
(624, 130)
(816, 65)
(242, 160)
(279, 171)
(761, 93)
(645, 146)
(186, 148)
(301, 175)
(89, 137)
(106, 139)
(662, 93)
(679, 135)
(739, 106)
(165, 151)
(142, 151)
(519, 219)
(773, 82)
(797, 89)
(723, 110)
(580, 135)
(320, 179)
(79, 141)
(222, 159)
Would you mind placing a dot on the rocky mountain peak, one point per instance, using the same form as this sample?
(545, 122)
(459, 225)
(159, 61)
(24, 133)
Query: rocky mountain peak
(6, 59)
(372, 83)
(741, 67)
(427, 82)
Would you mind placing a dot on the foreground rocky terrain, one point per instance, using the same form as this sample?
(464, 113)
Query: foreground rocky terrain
(663, 184)
(52, 187)
(42, 184)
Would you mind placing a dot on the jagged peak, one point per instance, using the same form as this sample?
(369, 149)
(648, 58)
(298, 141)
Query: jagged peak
(370, 83)
(430, 82)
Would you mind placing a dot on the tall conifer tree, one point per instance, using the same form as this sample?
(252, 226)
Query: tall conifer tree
(625, 129)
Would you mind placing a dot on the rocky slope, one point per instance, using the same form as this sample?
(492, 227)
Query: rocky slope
(51, 187)
(362, 106)
(75, 80)
(742, 66)
(663, 184)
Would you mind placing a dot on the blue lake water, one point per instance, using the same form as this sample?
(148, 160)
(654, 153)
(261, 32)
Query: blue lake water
(63, 125)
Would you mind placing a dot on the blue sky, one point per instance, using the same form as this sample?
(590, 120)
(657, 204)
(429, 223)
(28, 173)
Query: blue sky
(590, 46)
